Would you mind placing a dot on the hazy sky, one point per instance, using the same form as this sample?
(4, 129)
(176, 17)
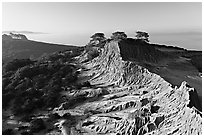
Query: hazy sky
(74, 23)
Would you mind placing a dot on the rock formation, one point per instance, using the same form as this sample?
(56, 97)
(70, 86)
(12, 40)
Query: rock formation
(11, 36)
(97, 90)
(124, 98)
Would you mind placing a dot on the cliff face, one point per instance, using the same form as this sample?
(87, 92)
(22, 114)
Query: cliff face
(126, 99)
(174, 64)
(138, 50)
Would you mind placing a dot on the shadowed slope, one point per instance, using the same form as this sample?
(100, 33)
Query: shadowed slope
(140, 51)
(174, 64)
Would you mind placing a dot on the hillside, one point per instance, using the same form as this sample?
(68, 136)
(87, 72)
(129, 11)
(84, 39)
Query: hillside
(95, 91)
(23, 48)
(174, 64)
(140, 51)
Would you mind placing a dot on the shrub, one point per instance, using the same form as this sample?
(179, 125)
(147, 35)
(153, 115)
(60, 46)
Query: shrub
(97, 38)
(37, 125)
(144, 36)
(6, 98)
(8, 132)
(16, 64)
(119, 35)
(92, 53)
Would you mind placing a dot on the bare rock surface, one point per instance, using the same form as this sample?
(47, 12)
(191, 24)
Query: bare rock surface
(124, 98)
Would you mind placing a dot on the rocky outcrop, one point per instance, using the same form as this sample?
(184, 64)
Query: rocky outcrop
(11, 36)
(127, 99)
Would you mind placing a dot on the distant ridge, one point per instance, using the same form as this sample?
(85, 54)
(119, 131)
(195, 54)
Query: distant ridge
(13, 36)
(17, 46)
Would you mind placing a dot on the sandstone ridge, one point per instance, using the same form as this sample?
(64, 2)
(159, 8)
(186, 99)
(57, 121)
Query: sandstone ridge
(126, 99)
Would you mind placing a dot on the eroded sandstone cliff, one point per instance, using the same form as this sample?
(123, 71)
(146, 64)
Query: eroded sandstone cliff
(124, 98)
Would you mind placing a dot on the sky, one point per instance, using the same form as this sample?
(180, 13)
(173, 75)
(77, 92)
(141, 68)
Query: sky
(178, 24)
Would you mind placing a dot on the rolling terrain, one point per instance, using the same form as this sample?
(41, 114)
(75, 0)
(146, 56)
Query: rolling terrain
(113, 87)
(13, 48)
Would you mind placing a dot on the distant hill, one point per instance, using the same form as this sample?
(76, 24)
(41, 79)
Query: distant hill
(14, 36)
(17, 48)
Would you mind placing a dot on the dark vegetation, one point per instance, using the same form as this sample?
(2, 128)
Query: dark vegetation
(96, 40)
(92, 52)
(31, 85)
(8, 132)
(144, 36)
(118, 35)
(16, 64)
(196, 58)
(98, 36)
(37, 125)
